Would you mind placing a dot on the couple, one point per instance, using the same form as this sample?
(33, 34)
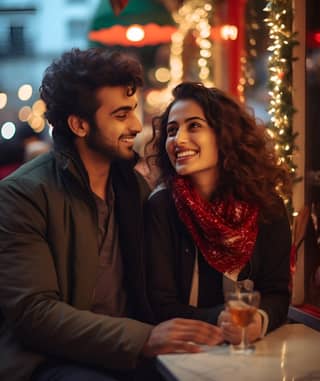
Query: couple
(79, 299)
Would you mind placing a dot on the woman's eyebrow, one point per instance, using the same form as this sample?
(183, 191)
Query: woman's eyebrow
(188, 119)
(195, 117)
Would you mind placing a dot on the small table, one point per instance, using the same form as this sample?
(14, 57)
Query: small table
(292, 352)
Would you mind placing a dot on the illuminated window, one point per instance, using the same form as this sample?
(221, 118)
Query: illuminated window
(16, 40)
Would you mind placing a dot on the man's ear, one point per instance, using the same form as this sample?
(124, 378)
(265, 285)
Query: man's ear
(78, 126)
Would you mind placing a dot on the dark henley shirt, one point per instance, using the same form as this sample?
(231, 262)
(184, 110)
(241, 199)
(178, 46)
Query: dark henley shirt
(109, 295)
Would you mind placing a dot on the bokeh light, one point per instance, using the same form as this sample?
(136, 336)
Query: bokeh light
(25, 92)
(39, 107)
(229, 32)
(24, 113)
(37, 123)
(8, 130)
(3, 100)
(162, 74)
(135, 33)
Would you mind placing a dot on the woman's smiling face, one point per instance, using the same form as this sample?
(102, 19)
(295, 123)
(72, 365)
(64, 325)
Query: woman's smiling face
(191, 142)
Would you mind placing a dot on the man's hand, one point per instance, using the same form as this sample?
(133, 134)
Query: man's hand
(181, 335)
(232, 332)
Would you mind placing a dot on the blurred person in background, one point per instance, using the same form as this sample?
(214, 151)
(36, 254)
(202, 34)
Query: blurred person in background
(72, 281)
(25, 146)
(34, 148)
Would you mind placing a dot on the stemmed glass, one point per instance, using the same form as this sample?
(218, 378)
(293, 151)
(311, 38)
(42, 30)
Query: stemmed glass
(242, 305)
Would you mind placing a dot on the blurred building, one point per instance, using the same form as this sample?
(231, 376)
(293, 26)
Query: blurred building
(32, 34)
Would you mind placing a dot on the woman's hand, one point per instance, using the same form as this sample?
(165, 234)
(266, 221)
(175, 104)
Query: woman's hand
(232, 333)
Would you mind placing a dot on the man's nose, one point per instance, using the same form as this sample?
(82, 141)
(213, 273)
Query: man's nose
(136, 125)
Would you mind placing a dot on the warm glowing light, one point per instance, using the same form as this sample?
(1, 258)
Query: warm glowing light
(25, 92)
(162, 74)
(192, 16)
(282, 41)
(3, 100)
(36, 122)
(39, 107)
(8, 130)
(156, 100)
(270, 132)
(205, 53)
(229, 32)
(24, 113)
(135, 33)
(151, 98)
(116, 35)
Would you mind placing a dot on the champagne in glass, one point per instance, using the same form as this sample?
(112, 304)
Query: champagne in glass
(242, 306)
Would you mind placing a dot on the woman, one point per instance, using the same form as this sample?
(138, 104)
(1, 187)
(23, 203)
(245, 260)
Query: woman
(216, 216)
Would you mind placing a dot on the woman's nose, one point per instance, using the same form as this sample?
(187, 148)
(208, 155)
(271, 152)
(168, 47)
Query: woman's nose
(181, 136)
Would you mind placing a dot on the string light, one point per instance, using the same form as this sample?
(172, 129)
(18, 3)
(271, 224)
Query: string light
(281, 110)
(193, 15)
(249, 56)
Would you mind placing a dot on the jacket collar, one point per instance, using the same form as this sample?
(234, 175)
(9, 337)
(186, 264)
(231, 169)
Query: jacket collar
(69, 159)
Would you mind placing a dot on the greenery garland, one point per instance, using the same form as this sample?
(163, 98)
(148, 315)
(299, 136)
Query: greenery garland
(282, 42)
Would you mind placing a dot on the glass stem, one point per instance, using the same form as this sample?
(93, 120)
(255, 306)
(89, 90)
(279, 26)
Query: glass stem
(244, 339)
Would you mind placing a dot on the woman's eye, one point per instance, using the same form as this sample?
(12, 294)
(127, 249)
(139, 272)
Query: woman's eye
(194, 125)
(171, 131)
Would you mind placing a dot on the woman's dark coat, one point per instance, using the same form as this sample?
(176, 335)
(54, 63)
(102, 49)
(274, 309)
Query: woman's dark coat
(170, 261)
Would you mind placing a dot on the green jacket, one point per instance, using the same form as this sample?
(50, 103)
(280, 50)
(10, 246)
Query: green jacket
(48, 263)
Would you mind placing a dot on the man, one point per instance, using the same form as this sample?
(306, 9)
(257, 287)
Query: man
(72, 281)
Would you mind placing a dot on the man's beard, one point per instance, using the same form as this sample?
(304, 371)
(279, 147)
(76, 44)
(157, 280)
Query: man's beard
(97, 144)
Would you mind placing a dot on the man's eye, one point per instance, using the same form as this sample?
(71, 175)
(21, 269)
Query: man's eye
(121, 116)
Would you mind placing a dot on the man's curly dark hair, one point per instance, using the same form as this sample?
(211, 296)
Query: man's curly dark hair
(70, 84)
(249, 167)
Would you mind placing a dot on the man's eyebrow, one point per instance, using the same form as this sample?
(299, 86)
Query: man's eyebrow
(124, 108)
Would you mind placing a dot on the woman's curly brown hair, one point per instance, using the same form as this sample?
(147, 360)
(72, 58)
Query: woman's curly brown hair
(249, 167)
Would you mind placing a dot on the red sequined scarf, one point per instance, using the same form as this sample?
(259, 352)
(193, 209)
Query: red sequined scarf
(225, 231)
